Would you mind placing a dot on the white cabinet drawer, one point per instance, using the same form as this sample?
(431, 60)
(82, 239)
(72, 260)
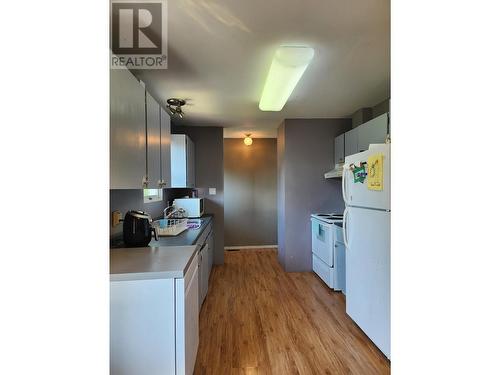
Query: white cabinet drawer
(322, 241)
(323, 271)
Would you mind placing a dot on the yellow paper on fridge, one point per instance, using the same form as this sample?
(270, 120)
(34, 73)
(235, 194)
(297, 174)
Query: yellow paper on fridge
(375, 178)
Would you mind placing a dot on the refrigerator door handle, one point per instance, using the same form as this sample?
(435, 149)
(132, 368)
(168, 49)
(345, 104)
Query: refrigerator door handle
(344, 228)
(344, 193)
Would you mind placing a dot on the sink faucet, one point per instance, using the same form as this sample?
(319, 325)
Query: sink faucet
(165, 211)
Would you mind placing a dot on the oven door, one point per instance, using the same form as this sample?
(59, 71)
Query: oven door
(322, 241)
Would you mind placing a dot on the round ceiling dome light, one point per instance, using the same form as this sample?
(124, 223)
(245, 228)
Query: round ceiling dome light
(248, 140)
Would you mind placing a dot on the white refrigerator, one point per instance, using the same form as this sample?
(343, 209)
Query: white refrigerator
(367, 225)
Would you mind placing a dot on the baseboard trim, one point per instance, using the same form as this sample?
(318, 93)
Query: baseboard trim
(251, 247)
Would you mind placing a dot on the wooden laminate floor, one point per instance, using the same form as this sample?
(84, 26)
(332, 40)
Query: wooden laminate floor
(258, 319)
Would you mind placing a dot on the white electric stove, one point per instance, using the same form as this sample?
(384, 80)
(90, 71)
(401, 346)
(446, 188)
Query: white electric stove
(328, 249)
(329, 218)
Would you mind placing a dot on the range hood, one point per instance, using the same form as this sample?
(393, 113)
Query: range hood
(335, 172)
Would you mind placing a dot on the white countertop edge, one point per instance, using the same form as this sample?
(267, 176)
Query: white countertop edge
(152, 275)
(146, 275)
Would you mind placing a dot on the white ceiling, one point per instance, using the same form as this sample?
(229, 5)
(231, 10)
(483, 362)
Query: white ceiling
(220, 52)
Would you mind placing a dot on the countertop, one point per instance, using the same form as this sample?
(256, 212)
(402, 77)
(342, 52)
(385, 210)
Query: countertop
(141, 263)
(186, 238)
(169, 257)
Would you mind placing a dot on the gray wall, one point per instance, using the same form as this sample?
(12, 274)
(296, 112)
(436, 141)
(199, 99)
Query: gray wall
(250, 176)
(305, 153)
(281, 193)
(209, 172)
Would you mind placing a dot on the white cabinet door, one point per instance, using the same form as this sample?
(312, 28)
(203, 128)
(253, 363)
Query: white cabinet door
(127, 130)
(165, 149)
(182, 153)
(206, 271)
(154, 142)
(339, 149)
(200, 278)
(373, 131)
(211, 245)
(203, 273)
(187, 321)
(351, 142)
(142, 327)
(190, 163)
(178, 160)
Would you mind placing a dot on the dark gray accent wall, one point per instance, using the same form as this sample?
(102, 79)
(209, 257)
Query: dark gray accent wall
(209, 173)
(305, 153)
(250, 175)
(281, 193)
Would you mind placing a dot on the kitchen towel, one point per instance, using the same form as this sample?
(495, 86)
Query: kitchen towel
(375, 179)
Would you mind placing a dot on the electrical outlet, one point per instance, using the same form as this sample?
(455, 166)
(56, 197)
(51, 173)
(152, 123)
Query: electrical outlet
(212, 191)
(116, 217)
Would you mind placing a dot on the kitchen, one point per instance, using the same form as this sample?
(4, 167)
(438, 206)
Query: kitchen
(203, 201)
(206, 204)
(220, 187)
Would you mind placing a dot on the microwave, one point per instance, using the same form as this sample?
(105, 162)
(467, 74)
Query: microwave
(194, 207)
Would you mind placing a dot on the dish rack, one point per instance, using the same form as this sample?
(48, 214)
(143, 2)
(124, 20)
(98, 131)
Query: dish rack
(170, 227)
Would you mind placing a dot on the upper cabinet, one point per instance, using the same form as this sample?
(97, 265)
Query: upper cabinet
(154, 142)
(373, 131)
(165, 148)
(127, 131)
(339, 149)
(139, 136)
(182, 159)
(360, 138)
(351, 142)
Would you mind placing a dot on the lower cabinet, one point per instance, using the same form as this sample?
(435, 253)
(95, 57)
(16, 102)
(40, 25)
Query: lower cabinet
(205, 261)
(211, 247)
(154, 325)
(187, 320)
(142, 327)
(203, 266)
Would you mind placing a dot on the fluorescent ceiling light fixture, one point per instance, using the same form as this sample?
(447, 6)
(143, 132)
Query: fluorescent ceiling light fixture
(289, 63)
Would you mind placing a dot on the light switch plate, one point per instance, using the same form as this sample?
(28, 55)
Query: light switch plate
(212, 191)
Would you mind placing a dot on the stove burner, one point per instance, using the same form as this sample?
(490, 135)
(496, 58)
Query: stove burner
(329, 217)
